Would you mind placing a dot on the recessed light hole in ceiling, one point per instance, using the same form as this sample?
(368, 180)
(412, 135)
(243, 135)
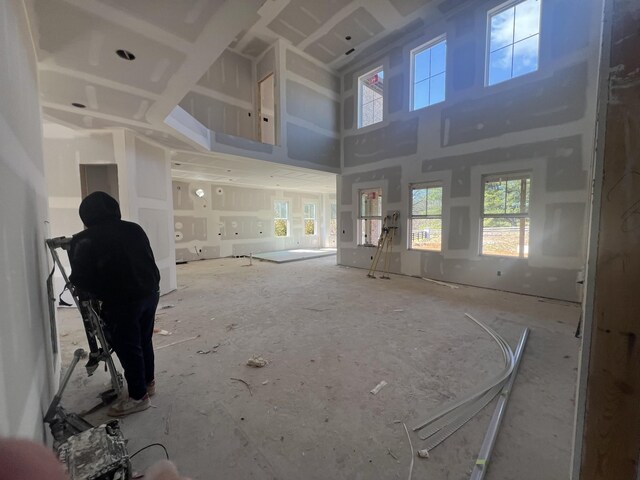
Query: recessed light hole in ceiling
(126, 54)
(348, 37)
(79, 105)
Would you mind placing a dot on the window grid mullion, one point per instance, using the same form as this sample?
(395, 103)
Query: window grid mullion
(513, 38)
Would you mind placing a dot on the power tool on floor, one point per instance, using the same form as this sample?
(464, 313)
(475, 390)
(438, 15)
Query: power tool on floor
(99, 348)
(87, 452)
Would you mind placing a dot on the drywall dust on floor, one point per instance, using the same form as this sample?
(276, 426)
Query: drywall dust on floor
(330, 335)
(284, 256)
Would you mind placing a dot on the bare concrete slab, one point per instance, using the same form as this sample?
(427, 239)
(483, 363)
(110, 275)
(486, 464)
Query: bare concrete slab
(330, 335)
(285, 256)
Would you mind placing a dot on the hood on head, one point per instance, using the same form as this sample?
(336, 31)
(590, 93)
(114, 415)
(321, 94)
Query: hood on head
(99, 207)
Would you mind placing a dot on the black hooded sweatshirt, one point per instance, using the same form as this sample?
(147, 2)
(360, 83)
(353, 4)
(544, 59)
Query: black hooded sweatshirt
(111, 259)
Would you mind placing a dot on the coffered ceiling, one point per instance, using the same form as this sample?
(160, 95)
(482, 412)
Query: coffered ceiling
(128, 63)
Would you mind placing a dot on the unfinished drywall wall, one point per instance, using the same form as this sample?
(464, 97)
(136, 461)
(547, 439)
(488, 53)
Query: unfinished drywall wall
(311, 111)
(223, 99)
(29, 364)
(143, 175)
(233, 220)
(307, 107)
(150, 202)
(541, 123)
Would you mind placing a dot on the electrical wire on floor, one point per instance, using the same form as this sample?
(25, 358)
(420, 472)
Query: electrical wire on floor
(166, 453)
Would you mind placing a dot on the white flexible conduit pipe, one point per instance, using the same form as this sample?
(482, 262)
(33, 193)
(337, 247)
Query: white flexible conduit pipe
(478, 393)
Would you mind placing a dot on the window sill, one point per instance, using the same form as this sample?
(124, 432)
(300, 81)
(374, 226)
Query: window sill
(370, 127)
(506, 257)
(428, 107)
(513, 81)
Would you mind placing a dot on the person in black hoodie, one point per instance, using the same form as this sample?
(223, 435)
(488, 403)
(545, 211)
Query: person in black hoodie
(112, 261)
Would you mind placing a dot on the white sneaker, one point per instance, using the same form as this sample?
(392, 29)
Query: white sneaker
(128, 405)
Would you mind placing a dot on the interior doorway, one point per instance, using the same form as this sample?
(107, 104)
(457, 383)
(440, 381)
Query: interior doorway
(266, 115)
(99, 178)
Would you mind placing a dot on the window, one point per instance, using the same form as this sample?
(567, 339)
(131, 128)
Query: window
(514, 38)
(281, 218)
(370, 216)
(309, 219)
(429, 66)
(370, 98)
(505, 215)
(426, 217)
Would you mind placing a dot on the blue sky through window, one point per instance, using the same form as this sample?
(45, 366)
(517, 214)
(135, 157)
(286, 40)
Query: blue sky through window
(429, 75)
(514, 41)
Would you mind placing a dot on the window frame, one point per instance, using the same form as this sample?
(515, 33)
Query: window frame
(314, 218)
(362, 217)
(286, 202)
(494, 11)
(332, 229)
(412, 56)
(523, 195)
(411, 216)
(359, 125)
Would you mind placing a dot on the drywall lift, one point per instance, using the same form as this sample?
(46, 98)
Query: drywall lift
(99, 348)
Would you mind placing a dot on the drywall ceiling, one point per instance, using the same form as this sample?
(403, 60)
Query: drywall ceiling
(244, 171)
(85, 84)
(328, 29)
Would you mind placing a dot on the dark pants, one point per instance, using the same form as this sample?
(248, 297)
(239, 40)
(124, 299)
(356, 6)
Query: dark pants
(130, 325)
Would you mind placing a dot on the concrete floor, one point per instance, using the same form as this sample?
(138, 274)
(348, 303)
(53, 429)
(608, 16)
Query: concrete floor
(330, 335)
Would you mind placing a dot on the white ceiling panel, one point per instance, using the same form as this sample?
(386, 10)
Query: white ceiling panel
(78, 120)
(407, 7)
(183, 18)
(301, 18)
(81, 121)
(359, 26)
(75, 39)
(65, 89)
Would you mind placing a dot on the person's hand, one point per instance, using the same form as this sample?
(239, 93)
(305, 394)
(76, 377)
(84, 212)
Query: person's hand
(163, 470)
(27, 460)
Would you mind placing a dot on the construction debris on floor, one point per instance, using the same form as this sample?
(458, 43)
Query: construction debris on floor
(452, 416)
(257, 362)
(285, 256)
(330, 338)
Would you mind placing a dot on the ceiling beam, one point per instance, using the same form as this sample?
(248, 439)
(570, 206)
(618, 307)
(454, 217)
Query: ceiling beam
(232, 17)
(130, 22)
(267, 14)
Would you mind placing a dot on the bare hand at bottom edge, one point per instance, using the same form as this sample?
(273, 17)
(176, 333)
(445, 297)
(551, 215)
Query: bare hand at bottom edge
(163, 470)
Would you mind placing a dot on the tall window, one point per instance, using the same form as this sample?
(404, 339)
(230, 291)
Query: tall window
(426, 217)
(370, 216)
(370, 98)
(505, 215)
(309, 219)
(514, 40)
(429, 66)
(281, 218)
